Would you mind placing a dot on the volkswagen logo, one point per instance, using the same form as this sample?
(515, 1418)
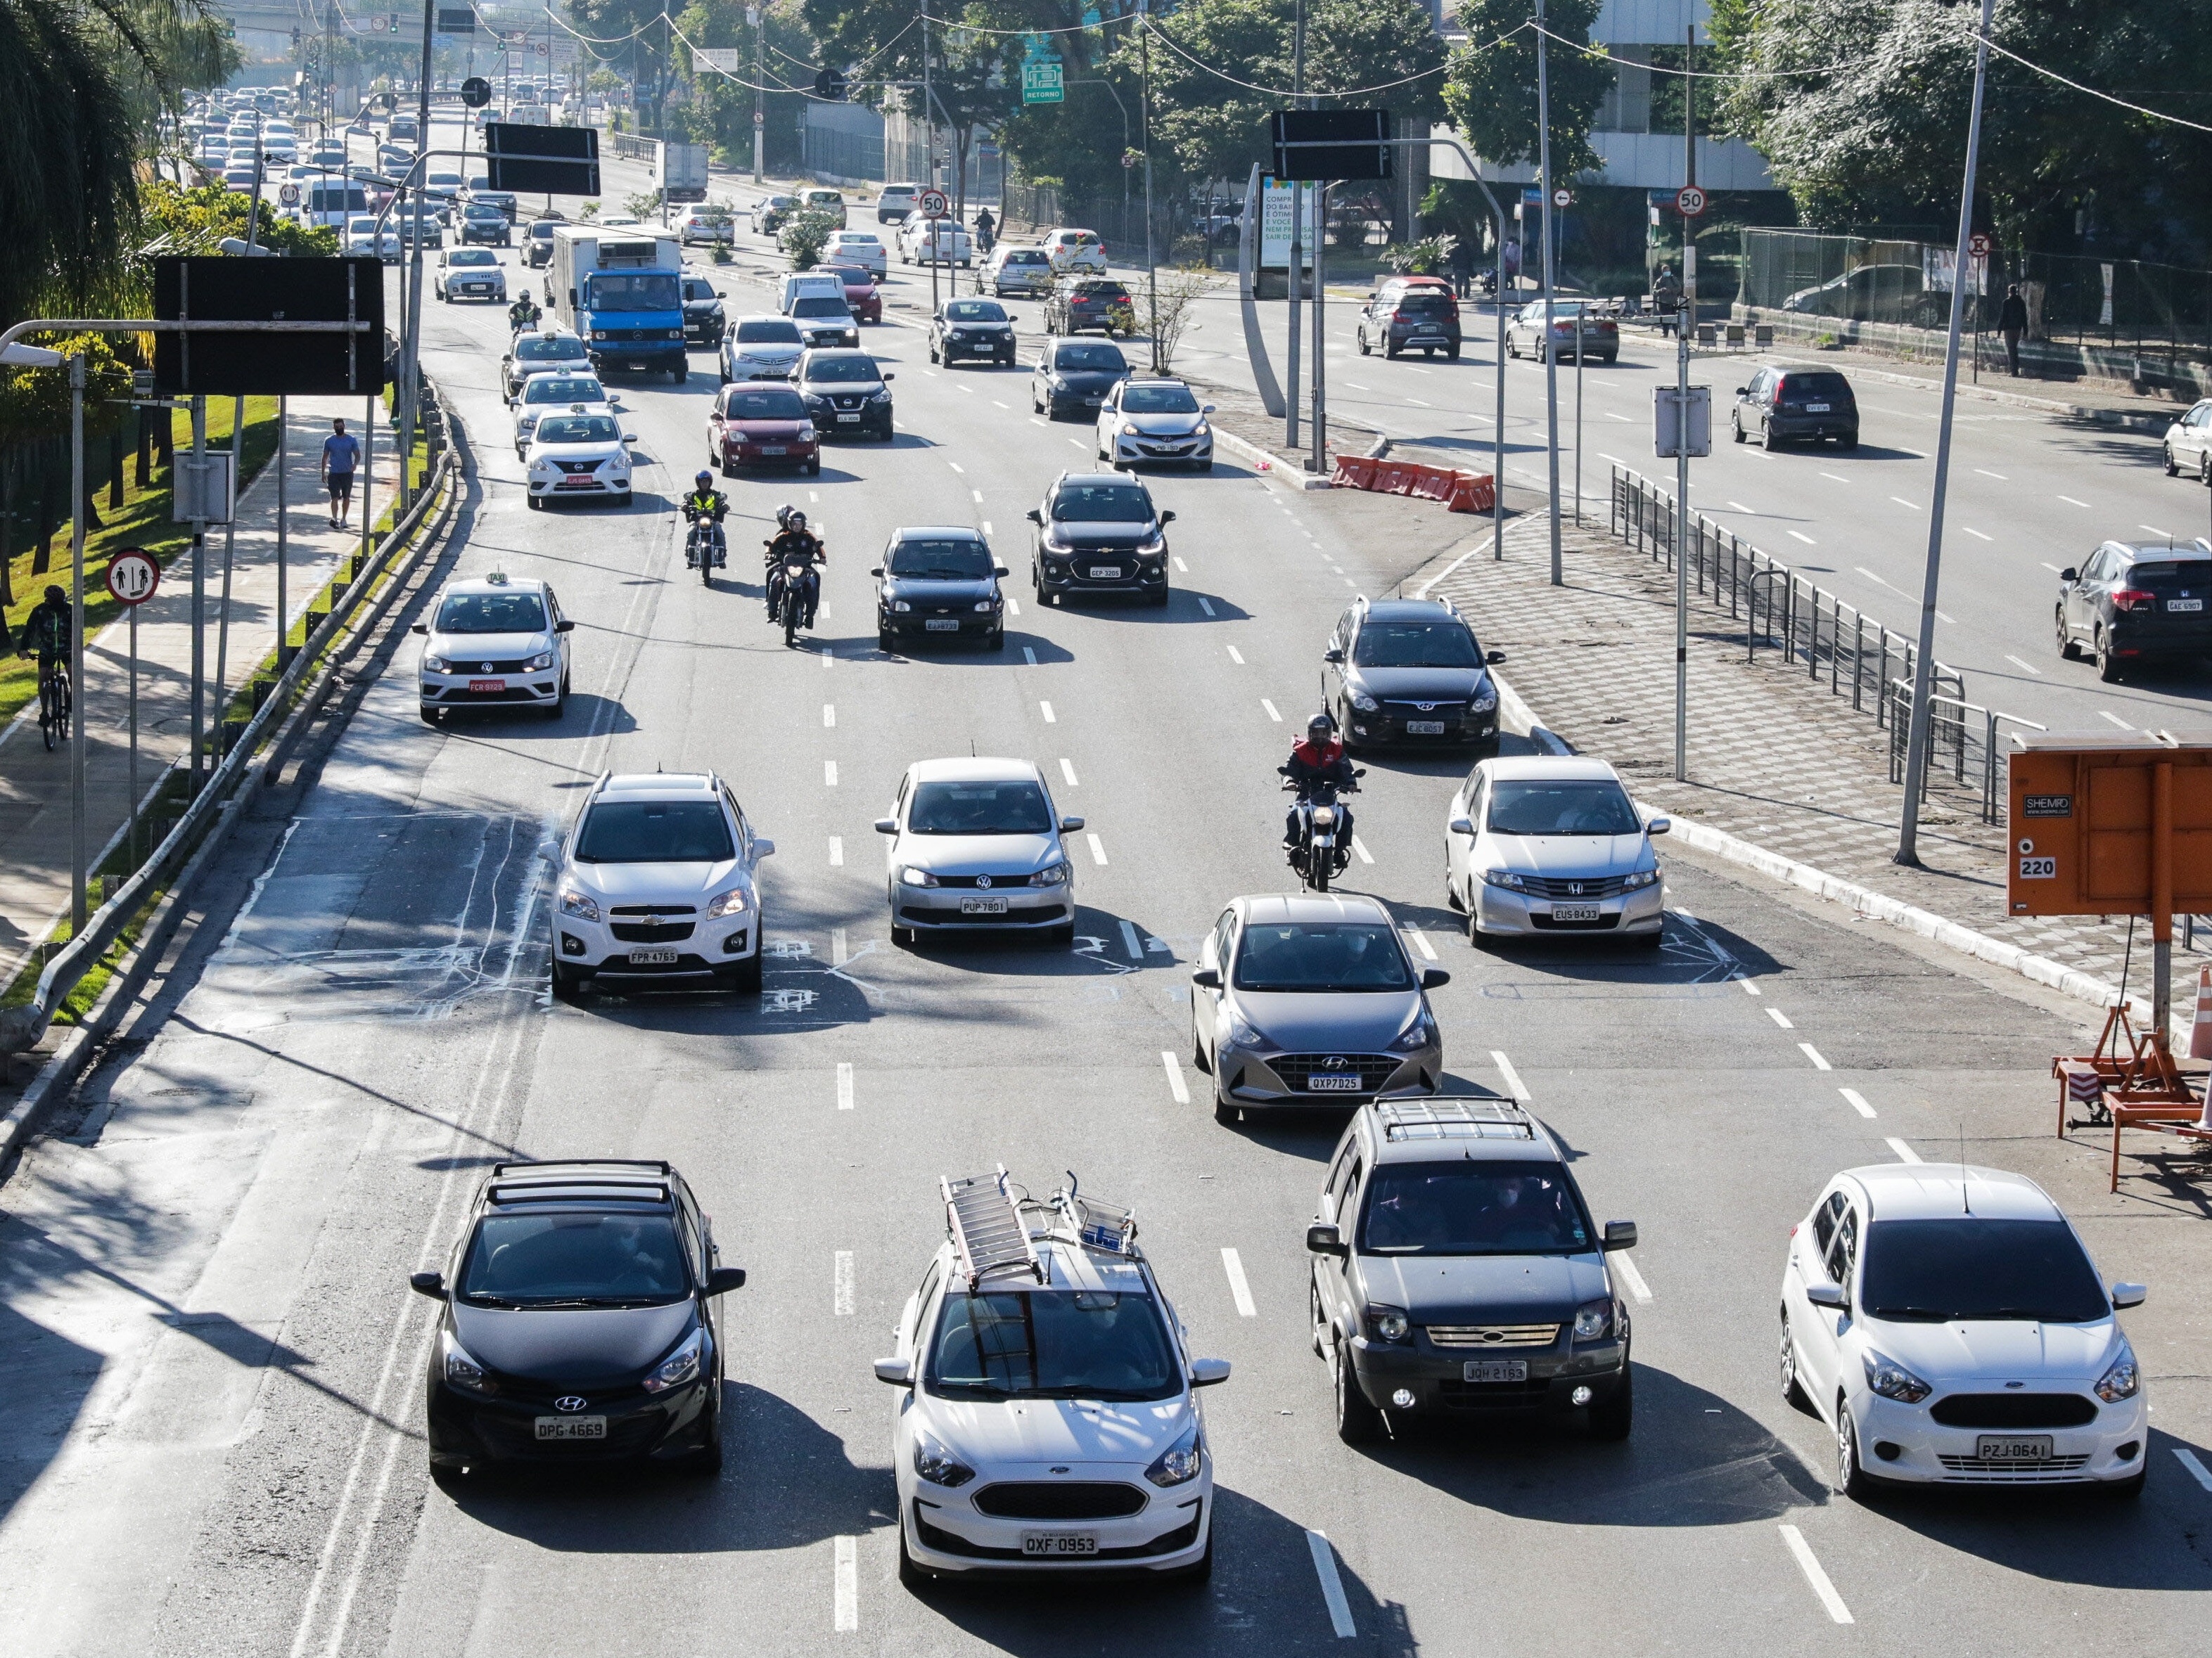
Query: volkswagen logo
(1335, 1062)
(484, 667)
(570, 1402)
(983, 881)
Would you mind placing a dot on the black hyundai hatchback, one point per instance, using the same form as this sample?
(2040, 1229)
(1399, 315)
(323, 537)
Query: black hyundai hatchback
(1410, 670)
(580, 1322)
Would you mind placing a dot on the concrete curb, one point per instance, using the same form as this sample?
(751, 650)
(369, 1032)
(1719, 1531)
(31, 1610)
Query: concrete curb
(1270, 462)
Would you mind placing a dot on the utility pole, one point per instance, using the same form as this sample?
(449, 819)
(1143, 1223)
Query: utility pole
(1683, 320)
(78, 909)
(411, 377)
(1551, 344)
(758, 19)
(1145, 133)
(1298, 229)
(1923, 668)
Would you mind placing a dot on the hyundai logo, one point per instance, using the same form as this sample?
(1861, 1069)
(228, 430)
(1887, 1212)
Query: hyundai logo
(1335, 1062)
(1427, 708)
(570, 1402)
(983, 881)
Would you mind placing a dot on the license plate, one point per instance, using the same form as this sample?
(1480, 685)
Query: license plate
(936, 627)
(1333, 1082)
(2012, 1447)
(1576, 912)
(846, 419)
(1425, 727)
(487, 684)
(1496, 1370)
(1816, 408)
(577, 483)
(2185, 603)
(653, 959)
(773, 448)
(1058, 1545)
(1105, 573)
(572, 1427)
(982, 907)
(1095, 402)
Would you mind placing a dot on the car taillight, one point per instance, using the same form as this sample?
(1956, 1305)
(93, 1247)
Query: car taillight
(2133, 598)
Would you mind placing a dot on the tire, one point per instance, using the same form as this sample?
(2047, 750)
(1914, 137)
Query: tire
(1786, 1370)
(1850, 1480)
(2068, 650)
(1738, 426)
(2108, 665)
(814, 467)
(1314, 1318)
(1224, 1111)
(568, 983)
(1358, 1422)
(1767, 440)
(1364, 350)
(883, 639)
(913, 1576)
(1610, 1422)
(560, 700)
(1850, 442)
(2172, 466)
(2204, 469)
(2125, 1490)
(706, 1462)
(1199, 1062)
(1452, 354)
(1062, 935)
(1320, 878)
(1390, 352)
(429, 715)
(746, 981)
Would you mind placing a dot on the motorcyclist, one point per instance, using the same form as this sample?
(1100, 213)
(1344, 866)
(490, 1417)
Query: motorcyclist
(523, 315)
(794, 544)
(986, 227)
(704, 504)
(1317, 758)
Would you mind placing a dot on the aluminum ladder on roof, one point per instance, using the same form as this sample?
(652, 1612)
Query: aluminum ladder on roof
(988, 1233)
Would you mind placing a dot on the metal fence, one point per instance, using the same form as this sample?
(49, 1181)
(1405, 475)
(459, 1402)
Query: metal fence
(1964, 745)
(838, 155)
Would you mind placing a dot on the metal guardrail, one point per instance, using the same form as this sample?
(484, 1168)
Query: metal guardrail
(1962, 740)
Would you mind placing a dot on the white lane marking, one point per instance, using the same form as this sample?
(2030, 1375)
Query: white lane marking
(2107, 713)
(1741, 507)
(1356, 387)
(1014, 605)
(847, 1612)
(1239, 1291)
(1913, 506)
(2197, 1468)
(836, 852)
(1175, 1077)
(1905, 1153)
(1009, 408)
(844, 1084)
(1779, 1017)
(1332, 1586)
(829, 774)
(1360, 847)
(2166, 535)
(1350, 583)
(1623, 419)
(1131, 942)
(1514, 1085)
(1813, 1055)
(1182, 568)
(1068, 770)
(1976, 534)
(1627, 1268)
(2070, 501)
(1098, 850)
(2028, 667)
(813, 496)
(1836, 477)
(1857, 1101)
(1421, 943)
(1029, 655)
(1749, 988)
(988, 529)
(978, 494)
(1802, 1552)
(828, 714)
(840, 1285)
(1270, 708)
(1418, 403)
(1999, 476)
(1236, 656)
(1034, 421)
(829, 655)
(957, 467)
(2053, 568)
(840, 951)
(1075, 443)
(1807, 540)
(1049, 717)
(1206, 606)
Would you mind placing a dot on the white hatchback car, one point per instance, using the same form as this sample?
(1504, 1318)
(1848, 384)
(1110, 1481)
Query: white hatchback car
(1545, 846)
(2188, 444)
(579, 456)
(500, 641)
(1947, 1324)
(1071, 249)
(861, 247)
(1145, 421)
(975, 847)
(1048, 1418)
(658, 885)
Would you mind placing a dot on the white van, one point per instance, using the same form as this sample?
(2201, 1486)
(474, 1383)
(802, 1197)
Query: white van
(800, 283)
(327, 204)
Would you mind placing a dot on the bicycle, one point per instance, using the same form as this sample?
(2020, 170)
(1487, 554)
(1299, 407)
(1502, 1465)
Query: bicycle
(54, 703)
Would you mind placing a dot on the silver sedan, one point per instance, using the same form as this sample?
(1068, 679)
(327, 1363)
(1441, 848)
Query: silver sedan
(1552, 846)
(975, 847)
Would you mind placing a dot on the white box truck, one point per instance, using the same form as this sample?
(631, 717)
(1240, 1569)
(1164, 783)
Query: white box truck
(680, 173)
(621, 289)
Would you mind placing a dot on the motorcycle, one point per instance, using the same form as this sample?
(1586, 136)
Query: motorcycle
(1324, 847)
(793, 592)
(706, 550)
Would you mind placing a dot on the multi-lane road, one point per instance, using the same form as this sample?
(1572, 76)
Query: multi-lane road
(215, 1370)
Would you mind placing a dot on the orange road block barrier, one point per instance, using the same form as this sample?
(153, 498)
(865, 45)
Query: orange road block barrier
(1460, 492)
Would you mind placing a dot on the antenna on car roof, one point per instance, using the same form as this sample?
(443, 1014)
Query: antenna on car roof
(1965, 1202)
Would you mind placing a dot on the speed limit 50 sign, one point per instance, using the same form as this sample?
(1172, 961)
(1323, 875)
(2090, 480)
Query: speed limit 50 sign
(933, 205)
(1690, 201)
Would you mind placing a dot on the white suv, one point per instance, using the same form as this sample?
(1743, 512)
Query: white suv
(658, 885)
(1048, 1417)
(1946, 1323)
(1074, 249)
(500, 641)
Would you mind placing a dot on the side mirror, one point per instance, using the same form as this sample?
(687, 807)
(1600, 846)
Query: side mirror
(1743, 391)
(1208, 1372)
(1434, 978)
(2129, 1294)
(2069, 574)
(1827, 1295)
(1001, 569)
(887, 826)
(1069, 825)
(564, 626)
(1335, 658)
(1493, 658)
(1462, 824)
(431, 1284)
(762, 846)
(1207, 410)
(876, 570)
(420, 627)
(888, 379)
(899, 1372)
(723, 1279)
(1033, 516)
(1168, 517)
(1620, 1235)
(630, 437)
(1208, 978)
(1659, 826)
(1327, 1241)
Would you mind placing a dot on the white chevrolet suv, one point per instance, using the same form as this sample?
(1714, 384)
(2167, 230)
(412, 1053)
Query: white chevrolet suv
(497, 642)
(658, 886)
(1048, 1418)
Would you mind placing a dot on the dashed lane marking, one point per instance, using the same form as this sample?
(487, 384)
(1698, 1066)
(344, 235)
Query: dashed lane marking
(1206, 604)
(1236, 656)
(828, 714)
(1359, 846)
(1068, 770)
(957, 467)
(1131, 942)
(847, 1613)
(1182, 568)
(1813, 1055)
(1514, 1085)
(1627, 1268)
(1905, 1153)
(840, 1285)
(829, 774)
(2070, 501)
(2197, 1470)
(844, 1086)
(1976, 534)
(1098, 850)
(1779, 1017)
(1857, 1101)
(836, 852)
(1050, 719)
(2027, 667)
(840, 951)
(1270, 708)
(1332, 1586)
(1807, 539)
(1421, 943)
(1802, 1552)
(2106, 713)
(1239, 1291)
(1173, 1069)
(1029, 655)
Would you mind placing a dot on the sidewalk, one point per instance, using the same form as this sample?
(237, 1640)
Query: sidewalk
(35, 784)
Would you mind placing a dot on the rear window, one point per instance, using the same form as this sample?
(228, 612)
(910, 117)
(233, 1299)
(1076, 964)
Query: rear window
(1818, 387)
(1425, 302)
(2159, 577)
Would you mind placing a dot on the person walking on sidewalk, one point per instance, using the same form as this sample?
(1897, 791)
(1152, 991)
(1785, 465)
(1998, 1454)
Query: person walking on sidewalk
(2012, 323)
(1666, 299)
(341, 455)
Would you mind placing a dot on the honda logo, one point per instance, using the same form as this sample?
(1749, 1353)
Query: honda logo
(570, 1403)
(1575, 889)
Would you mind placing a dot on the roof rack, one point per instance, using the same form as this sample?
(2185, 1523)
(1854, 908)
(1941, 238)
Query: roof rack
(1455, 1119)
(984, 1216)
(532, 1165)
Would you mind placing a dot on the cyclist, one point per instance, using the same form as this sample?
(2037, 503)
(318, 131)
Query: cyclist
(704, 505)
(46, 635)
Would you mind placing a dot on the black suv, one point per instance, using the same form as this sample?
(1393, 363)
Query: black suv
(704, 321)
(579, 1323)
(1409, 671)
(1410, 316)
(1785, 405)
(1081, 304)
(847, 395)
(1457, 1273)
(2134, 604)
(1099, 533)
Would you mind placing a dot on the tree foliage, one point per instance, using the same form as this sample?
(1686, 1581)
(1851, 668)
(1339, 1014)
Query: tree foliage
(1491, 89)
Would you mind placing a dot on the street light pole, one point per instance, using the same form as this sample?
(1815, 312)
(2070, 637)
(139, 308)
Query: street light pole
(1145, 132)
(1923, 667)
(759, 20)
(1551, 345)
(77, 906)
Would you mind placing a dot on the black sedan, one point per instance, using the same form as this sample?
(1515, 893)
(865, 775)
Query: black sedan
(1783, 405)
(846, 394)
(1409, 671)
(939, 582)
(1073, 377)
(579, 1323)
(1098, 533)
(1085, 305)
(971, 328)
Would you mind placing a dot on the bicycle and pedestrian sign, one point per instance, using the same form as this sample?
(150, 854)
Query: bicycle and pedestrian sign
(132, 577)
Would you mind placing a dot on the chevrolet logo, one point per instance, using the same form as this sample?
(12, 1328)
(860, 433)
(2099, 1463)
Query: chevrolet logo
(652, 920)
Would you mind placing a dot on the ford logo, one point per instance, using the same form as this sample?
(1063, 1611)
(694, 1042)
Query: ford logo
(983, 881)
(1062, 1470)
(570, 1402)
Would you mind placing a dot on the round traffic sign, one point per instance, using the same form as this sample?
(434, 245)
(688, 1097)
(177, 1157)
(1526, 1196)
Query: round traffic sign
(1979, 244)
(475, 92)
(1563, 197)
(1689, 201)
(132, 576)
(933, 205)
(288, 195)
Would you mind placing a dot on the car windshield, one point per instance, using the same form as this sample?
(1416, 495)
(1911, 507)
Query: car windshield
(562, 388)
(776, 331)
(1961, 1268)
(975, 311)
(1321, 956)
(1101, 503)
(821, 304)
(472, 256)
(1158, 400)
(1574, 806)
(765, 405)
(577, 428)
(842, 370)
(638, 290)
(542, 229)
(1092, 359)
(574, 1261)
(1051, 1344)
(982, 807)
(654, 832)
(483, 210)
(538, 349)
(940, 560)
(491, 613)
(1416, 645)
(1468, 1208)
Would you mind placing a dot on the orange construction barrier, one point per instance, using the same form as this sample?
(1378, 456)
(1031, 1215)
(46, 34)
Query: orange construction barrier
(1474, 492)
(1460, 492)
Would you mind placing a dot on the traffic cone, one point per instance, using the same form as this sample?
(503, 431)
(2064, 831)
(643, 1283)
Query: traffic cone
(2200, 1032)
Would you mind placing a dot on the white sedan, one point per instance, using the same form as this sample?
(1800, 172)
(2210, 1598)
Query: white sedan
(861, 247)
(1946, 1324)
(1542, 846)
(2189, 444)
(555, 394)
(579, 457)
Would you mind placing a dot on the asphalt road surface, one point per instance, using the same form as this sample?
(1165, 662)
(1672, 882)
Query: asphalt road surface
(214, 1367)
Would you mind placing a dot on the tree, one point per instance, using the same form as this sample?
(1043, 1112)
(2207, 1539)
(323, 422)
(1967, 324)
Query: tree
(1491, 88)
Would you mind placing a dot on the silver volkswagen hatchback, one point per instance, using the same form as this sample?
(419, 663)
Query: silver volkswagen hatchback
(1546, 845)
(975, 847)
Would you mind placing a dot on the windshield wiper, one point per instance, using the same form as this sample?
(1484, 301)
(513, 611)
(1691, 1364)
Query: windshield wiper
(1915, 1314)
(481, 1298)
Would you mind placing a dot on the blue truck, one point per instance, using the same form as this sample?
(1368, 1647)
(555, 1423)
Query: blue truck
(621, 291)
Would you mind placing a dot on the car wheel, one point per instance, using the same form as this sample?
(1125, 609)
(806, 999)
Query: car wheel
(537, 503)
(1848, 441)
(1364, 350)
(1786, 1370)
(1390, 352)
(1225, 1110)
(706, 1462)
(1611, 1421)
(883, 639)
(910, 1574)
(1851, 1480)
(1358, 1422)
(2125, 1490)
(2172, 466)
(1737, 426)
(746, 981)
(1314, 1320)
(2108, 665)
(568, 983)
(901, 936)
(1767, 440)
(1062, 935)
(429, 714)
(2204, 469)
(2068, 650)
(1452, 356)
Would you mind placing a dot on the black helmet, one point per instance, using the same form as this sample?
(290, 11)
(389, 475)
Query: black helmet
(55, 596)
(705, 478)
(798, 521)
(1320, 725)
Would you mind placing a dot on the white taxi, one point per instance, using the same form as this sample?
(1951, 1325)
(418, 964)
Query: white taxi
(578, 455)
(555, 394)
(499, 641)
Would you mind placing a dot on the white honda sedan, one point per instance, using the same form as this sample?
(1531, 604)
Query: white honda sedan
(975, 847)
(1948, 1325)
(1543, 846)
(579, 457)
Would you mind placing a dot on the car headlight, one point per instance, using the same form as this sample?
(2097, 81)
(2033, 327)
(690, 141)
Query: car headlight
(581, 905)
(1388, 1324)
(540, 662)
(675, 333)
(898, 605)
(1594, 1320)
(1201, 430)
(1416, 1035)
(1179, 1464)
(1483, 701)
(883, 396)
(934, 1463)
(1891, 1379)
(732, 902)
(807, 434)
(917, 877)
(436, 665)
(598, 333)
(1153, 547)
(460, 1367)
(1128, 430)
(983, 606)
(1052, 874)
(1245, 1035)
(1503, 878)
(1637, 880)
(1363, 701)
(2122, 1381)
(1057, 383)
(680, 1366)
